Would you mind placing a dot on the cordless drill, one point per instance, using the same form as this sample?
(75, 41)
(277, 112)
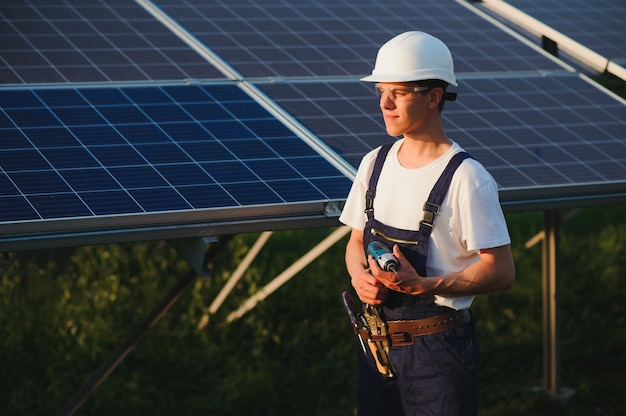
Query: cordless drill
(383, 255)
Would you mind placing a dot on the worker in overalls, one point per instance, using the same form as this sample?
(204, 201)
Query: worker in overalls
(437, 209)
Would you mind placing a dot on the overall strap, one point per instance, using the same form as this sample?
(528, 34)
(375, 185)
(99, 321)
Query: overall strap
(378, 166)
(437, 194)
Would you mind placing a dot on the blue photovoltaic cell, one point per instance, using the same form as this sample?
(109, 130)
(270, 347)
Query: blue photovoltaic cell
(529, 131)
(95, 151)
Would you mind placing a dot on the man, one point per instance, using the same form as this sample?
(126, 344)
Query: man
(449, 249)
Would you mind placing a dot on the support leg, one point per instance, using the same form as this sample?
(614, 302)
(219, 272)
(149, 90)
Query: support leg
(551, 347)
(550, 303)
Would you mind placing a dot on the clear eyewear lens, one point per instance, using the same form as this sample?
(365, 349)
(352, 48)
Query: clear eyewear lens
(398, 93)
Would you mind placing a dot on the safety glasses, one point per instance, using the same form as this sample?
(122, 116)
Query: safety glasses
(399, 93)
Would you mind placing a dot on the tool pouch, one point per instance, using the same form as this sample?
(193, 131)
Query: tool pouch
(379, 340)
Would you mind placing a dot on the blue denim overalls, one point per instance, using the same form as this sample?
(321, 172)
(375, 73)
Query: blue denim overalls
(437, 374)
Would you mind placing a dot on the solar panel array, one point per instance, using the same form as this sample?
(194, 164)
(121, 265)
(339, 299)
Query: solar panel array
(175, 116)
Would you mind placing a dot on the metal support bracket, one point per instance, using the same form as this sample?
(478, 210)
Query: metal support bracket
(333, 209)
(194, 251)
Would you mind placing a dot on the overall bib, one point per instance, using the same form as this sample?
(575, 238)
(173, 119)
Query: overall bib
(436, 375)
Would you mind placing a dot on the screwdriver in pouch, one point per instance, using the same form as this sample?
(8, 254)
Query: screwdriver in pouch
(349, 306)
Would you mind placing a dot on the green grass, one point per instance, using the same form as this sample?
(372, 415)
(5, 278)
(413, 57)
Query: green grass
(64, 311)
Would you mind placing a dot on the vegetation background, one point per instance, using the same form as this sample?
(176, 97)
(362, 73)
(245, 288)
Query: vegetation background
(63, 311)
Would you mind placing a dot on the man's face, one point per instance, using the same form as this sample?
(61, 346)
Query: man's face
(404, 107)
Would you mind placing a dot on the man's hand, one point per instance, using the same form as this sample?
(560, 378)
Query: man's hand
(406, 280)
(369, 289)
(366, 286)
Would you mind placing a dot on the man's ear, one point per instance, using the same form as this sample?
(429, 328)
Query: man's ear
(434, 97)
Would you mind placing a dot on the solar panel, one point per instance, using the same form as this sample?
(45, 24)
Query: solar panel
(530, 132)
(269, 38)
(82, 153)
(89, 41)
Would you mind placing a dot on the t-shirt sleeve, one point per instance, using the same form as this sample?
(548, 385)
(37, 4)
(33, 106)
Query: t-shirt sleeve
(483, 222)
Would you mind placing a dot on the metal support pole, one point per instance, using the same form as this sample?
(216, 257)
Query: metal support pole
(241, 269)
(551, 359)
(551, 347)
(288, 273)
(129, 343)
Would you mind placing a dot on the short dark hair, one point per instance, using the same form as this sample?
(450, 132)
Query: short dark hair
(437, 83)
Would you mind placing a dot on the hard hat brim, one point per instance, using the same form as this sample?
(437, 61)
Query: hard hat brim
(395, 78)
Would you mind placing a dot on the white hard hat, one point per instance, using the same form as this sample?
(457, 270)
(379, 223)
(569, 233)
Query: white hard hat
(413, 56)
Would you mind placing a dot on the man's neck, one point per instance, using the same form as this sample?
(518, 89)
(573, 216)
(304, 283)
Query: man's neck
(416, 153)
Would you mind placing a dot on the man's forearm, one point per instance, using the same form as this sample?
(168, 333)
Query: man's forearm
(493, 272)
(355, 258)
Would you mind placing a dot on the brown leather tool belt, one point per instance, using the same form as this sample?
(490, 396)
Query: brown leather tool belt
(402, 332)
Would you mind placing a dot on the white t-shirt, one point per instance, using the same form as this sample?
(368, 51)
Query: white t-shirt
(470, 216)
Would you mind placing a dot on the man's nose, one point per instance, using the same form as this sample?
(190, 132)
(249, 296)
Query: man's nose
(386, 101)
